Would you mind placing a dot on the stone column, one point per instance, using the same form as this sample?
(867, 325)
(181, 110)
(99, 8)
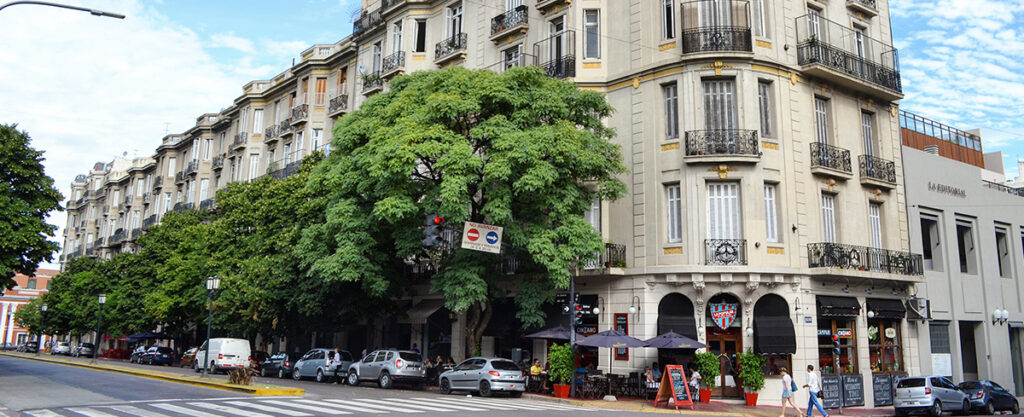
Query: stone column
(3, 319)
(10, 324)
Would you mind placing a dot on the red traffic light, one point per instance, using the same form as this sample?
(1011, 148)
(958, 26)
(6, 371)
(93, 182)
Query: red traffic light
(438, 219)
(835, 338)
(578, 307)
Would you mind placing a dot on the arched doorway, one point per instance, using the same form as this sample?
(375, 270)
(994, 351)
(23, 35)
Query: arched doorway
(774, 333)
(724, 329)
(675, 314)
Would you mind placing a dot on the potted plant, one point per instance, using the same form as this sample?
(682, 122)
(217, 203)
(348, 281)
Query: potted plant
(752, 375)
(708, 367)
(560, 373)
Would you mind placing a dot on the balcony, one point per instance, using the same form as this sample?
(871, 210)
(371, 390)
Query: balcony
(546, 5)
(877, 172)
(387, 5)
(179, 177)
(372, 83)
(726, 145)
(614, 256)
(158, 183)
(218, 162)
(716, 26)
(451, 49)
(118, 237)
(557, 54)
(181, 207)
(148, 221)
(289, 169)
(192, 167)
(128, 200)
(240, 139)
(101, 242)
(146, 198)
(136, 232)
(285, 128)
(300, 114)
(392, 64)
(725, 251)
(868, 7)
(511, 23)
(206, 205)
(836, 53)
(337, 105)
(90, 250)
(367, 22)
(830, 161)
(863, 258)
(270, 134)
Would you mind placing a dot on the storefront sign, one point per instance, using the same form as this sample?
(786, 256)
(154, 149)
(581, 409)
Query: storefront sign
(844, 333)
(824, 332)
(881, 386)
(622, 325)
(830, 389)
(586, 330)
(724, 314)
(947, 189)
(809, 320)
(890, 333)
(853, 390)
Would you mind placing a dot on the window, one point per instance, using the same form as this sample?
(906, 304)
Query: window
(31, 284)
(257, 121)
(846, 329)
(724, 211)
(167, 203)
(814, 22)
(171, 162)
(675, 213)
(513, 4)
(760, 20)
(764, 102)
(317, 137)
(243, 119)
(965, 246)
(771, 214)
(190, 193)
(396, 39)
(254, 166)
(117, 197)
(278, 114)
(453, 21)
(1003, 252)
(207, 148)
(512, 57)
(376, 57)
(217, 182)
(671, 93)
(140, 185)
(867, 123)
(884, 345)
(821, 120)
(135, 219)
(593, 215)
(320, 96)
(204, 189)
(875, 221)
(715, 14)
(342, 81)
(287, 153)
(421, 36)
(591, 34)
(720, 105)
(828, 217)
(298, 146)
(668, 19)
(931, 253)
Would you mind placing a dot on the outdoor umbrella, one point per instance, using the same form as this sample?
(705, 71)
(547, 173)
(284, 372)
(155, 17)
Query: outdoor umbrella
(611, 339)
(673, 340)
(554, 333)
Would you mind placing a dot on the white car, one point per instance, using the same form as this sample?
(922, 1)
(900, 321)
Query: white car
(225, 354)
(61, 348)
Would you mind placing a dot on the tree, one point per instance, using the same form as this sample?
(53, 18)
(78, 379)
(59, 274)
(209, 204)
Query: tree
(518, 150)
(26, 198)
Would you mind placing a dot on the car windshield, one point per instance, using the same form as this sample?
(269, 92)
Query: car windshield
(910, 383)
(87, 345)
(970, 385)
(164, 350)
(504, 365)
(411, 356)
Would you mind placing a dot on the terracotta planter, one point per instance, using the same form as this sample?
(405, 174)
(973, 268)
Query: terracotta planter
(562, 390)
(705, 395)
(751, 399)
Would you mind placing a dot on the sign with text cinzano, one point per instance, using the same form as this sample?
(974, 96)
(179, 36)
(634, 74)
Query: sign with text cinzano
(481, 237)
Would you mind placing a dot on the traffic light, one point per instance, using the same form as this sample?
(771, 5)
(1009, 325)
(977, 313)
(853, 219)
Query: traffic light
(579, 315)
(835, 345)
(432, 230)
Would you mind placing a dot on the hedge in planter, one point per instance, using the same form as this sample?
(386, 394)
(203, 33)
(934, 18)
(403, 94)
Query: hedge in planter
(561, 358)
(708, 367)
(752, 371)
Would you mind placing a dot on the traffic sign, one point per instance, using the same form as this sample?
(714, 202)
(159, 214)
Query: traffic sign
(471, 237)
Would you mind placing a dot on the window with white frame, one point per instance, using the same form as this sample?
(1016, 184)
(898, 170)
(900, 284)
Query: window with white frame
(257, 121)
(421, 36)
(671, 94)
(771, 213)
(204, 189)
(171, 162)
(513, 4)
(166, 203)
(593, 216)
(591, 34)
(814, 22)
(243, 120)
(453, 20)
(1003, 251)
(931, 244)
(299, 149)
(764, 101)
(965, 246)
(821, 116)
(512, 57)
(318, 135)
(720, 104)
(191, 192)
(376, 57)
(254, 166)
(195, 149)
(724, 211)
(135, 219)
(140, 185)
(287, 153)
(668, 19)
(875, 223)
(674, 211)
(760, 17)
(828, 217)
(207, 149)
(117, 197)
(867, 127)
(396, 38)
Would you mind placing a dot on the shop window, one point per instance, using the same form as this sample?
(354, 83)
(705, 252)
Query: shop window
(930, 243)
(846, 330)
(965, 247)
(884, 346)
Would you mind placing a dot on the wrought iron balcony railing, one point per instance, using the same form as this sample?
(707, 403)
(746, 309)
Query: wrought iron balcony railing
(218, 162)
(716, 26)
(206, 204)
(392, 63)
(614, 256)
(372, 82)
(832, 157)
(823, 42)
(449, 47)
(192, 167)
(877, 168)
(148, 221)
(337, 104)
(240, 139)
(181, 206)
(285, 127)
(179, 176)
(367, 22)
(270, 132)
(387, 4)
(300, 113)
(557, 54)
(510, 19)
(146, 198)
(158, 183)
(863, 258)
(725, 251)
(118, 236)
(717, 39)
(136, 232)
(869, 7)
(722, 142)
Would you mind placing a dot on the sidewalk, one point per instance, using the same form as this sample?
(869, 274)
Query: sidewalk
(714, 408)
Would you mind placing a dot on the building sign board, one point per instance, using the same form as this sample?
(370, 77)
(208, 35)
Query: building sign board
(481, 237)
(724, 314)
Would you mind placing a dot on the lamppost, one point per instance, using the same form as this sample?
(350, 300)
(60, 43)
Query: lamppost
(99, 320)
(42, 322)
(212, 284)
(93, 12)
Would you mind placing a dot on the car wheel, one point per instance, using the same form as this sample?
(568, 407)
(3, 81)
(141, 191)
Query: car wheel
(263, 372)
(965, 409)
(353, 379)
(485, 389)
(515, 394)
(296, 375)
(900, 413)
(280, 373)
(195, 367)
(990, 408)
(320, 376)
(446, 387)
(936, 410)
(384, 381)
(1016, 408)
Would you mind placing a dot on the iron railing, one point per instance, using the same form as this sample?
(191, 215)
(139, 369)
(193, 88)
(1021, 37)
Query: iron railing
(372, 81)
(716, 39)
(557, 54)
(338, 103)
(285, 127)
(158, 183)
(1004, 188)
(450, 46)
(179, 176)
(716, 26)
(829, 156)
(367, 21)
(118, 236)
(614, 256)
(392, 63)
(180, 207)
(270, 132)
(206, 204)
(722, 142)
(146, 198)
(877, 168)
(136, 232)
(725, 251)
(240, 139)
(192, 167)
(300, 113)
(148, 221)
(870, 4)
(218, 162)
(916, 123)
(863, 258)
(387, 4)
(287, 171)
(824, 42)
(509, 19)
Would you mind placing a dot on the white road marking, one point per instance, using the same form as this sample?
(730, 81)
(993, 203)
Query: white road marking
(269, 408)
(456, 400)
(520, 406)
(413, 406)
(42, 413)
(229, 410)
(363, 408)
(307, 407)
(183, 410)
(135, 411)
(437, 402)
(90, 412)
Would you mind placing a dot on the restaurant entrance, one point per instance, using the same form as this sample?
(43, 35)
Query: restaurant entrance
(725, 339)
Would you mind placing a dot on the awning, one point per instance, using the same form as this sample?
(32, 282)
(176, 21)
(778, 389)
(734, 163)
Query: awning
(419, 313)
(1017, 324)
(838, 306)
(887, 308)
(684, 325)
(774, 335)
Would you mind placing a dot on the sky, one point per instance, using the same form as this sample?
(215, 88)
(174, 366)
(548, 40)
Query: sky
(89, 88)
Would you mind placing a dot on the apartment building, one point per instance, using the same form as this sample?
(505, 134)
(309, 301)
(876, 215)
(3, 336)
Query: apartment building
(25, 290)
(766, 207)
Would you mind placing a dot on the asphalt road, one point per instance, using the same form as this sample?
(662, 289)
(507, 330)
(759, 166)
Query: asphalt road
(32, 388)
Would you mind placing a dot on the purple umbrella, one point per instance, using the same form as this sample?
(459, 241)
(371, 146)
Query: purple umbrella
(611, 339)
(554, 333)
(673, 340)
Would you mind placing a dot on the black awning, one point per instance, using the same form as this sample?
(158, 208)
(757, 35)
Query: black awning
(774, 335)
(887, 308)
(683, 325)
(838, 306)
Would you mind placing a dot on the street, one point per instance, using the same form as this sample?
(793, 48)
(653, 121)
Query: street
(32, 388)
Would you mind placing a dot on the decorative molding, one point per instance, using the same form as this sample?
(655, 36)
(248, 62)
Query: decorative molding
(666, 46)
(591, 65)
(722, 170)
(763, 44)
(718, 66)
(769, 145)
(774, 251)
(670, 146)
(636, 82)
(793, 78)
(830, 183)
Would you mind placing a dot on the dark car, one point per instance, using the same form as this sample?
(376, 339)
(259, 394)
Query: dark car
(188, 358)
(279, 364)
(989, 397)
(158, 355)
(137, 354)
(30, 347)
(258, 358)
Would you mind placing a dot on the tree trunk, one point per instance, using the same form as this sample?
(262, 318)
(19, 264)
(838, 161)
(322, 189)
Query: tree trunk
(478, 317)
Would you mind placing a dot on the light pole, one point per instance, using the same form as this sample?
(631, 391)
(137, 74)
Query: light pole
(212, 284)
(99, 320)
(42, 321)
(93, 12)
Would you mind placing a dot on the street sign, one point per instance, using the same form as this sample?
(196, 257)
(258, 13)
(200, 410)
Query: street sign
(491, 241)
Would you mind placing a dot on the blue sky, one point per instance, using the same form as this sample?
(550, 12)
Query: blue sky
(88, 89)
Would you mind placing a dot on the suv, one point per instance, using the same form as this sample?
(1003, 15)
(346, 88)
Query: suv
(484, 375)
(158, 355)
(280, 364)
(932, 395)
(388, 366)
(317, 364)
(83, 349)
(61, 348)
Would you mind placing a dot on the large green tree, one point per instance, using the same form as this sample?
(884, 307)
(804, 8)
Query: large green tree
(26, 197)
(518, 150)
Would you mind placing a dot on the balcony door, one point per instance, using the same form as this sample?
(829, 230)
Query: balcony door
(720, 119)
(724, 245)
(875, 221)
(828, 217)
(593, 216)
(557, 46)
(715, 13)
(453, 15)
(511, 5)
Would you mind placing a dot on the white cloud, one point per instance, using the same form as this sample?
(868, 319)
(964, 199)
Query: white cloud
(229, 40)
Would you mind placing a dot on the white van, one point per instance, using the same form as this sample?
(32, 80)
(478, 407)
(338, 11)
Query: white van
(225, 354)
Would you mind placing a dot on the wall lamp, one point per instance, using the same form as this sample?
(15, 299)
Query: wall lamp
(634, 306)
(799, 310)
(1000, 316)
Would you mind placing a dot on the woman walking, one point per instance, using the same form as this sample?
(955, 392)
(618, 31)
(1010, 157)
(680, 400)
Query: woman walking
(813, 388)
(788, 388)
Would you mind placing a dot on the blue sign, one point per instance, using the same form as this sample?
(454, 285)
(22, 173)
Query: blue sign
(492, 237)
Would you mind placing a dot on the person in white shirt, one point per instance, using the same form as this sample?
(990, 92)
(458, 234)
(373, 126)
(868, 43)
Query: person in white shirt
(788, 386)
(813, 387)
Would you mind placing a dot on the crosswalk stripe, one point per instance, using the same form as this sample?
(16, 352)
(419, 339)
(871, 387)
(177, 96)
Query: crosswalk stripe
(307, 407)
(357, 406)
(446, 401)
(182, 410)
(262, 407)
(521, 406)
(42, 413)
(88, 412)
(414, 405)
(229, 410)
(545, 405)
(439, 403)
(487, 404)
(135, 411)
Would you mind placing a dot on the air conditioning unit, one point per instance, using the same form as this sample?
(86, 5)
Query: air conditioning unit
(919, 309)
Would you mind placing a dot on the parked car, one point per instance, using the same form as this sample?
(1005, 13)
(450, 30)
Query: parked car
(61, 348)
(387, 367)
(317, 364)
(988, 397)
(931, 395)
(225, 354)
(83, 349)
(484, 375)
(137, 354)
(279, 364)
(188, 358)
(158, 355)
(257, 359)
(29, 347)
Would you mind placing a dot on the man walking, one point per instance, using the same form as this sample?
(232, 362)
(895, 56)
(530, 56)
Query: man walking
(813, 387)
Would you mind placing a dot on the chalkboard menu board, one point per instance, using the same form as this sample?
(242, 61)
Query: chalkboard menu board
(881, 385)
(679, 385)
(673, 386)
(622, 325)
(853, 390)
(830, 389)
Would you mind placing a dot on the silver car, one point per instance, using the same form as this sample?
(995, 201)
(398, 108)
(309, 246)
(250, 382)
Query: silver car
(61, 348)
(317, 364)
(484, 375)
(387, 367)
(931, 395)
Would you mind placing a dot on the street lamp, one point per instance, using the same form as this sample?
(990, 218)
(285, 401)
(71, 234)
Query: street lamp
(212, 284)
(93, 12)
(99, 319)
(42, 321)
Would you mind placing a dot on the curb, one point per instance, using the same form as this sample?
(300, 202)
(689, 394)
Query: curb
(643, 407)
(281, 391)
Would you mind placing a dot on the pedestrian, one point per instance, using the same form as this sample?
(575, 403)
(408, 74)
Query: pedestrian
(335, 363)
(416, 348)
(364, 353)
(814, 389)
(788, 391)
(656, 371)
(694, 382)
